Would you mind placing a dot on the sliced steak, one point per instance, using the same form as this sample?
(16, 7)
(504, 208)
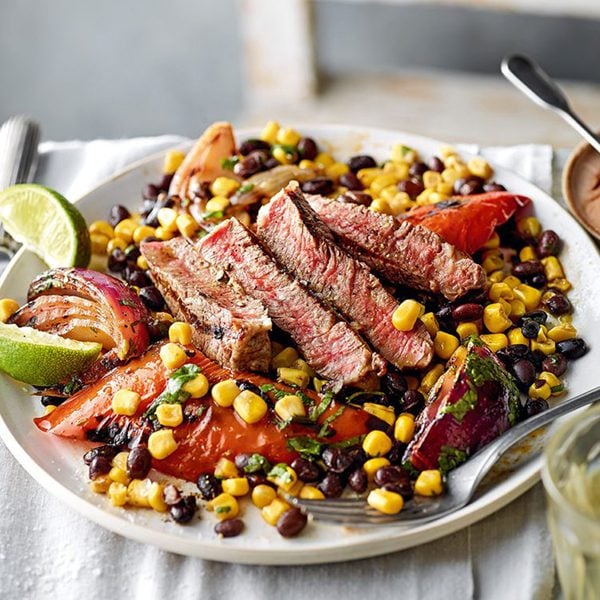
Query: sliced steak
(401, 252)
(305, 246)
(329, 344)
(229, 327)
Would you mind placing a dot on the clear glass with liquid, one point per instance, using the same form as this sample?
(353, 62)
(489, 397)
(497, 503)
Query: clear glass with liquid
(571, 475)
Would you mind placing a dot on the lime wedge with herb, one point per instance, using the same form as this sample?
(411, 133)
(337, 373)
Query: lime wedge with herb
(41, 358)
(46, 223)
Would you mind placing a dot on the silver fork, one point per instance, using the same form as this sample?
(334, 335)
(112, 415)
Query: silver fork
(461, 483)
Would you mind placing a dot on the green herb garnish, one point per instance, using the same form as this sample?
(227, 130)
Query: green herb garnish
(306, 447)
(230, 162)
(317, 410)
(174, 392)
(257, 462)
(450, 458)
(247, 187)
(281, 474)
(220, 510)
(325, 429)
(213, 214)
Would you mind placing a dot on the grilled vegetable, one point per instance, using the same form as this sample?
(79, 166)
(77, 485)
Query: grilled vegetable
(475, 401)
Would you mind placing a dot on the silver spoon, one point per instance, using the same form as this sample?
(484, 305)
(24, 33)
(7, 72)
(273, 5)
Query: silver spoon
(528, 77)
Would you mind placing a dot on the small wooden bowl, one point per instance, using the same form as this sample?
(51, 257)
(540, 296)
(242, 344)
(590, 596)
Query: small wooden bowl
(581, 187)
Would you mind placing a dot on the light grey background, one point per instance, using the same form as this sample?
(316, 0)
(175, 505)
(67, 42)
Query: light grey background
(140, 67)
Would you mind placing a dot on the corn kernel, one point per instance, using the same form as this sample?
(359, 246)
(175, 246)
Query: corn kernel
(429, 483)
(379, 205)
(506, 306)
(164, 234)
(50, 408)
(173, 356)
(274, 510)
(402, 153)
(367, 176)
(561, 284)
(399, 203)
(430, 322)
(282, 476)
(447, 151)
(552, 268)
(511, 281)
(103, 228)
(180, 333)
(250, 407)
(423, 198)
(466, 329)
(114, 244)
(430, 378)
(217, 204)
(495, 341)
(236, 486)
(263, 495)
(562, 332)
(303, 366)
(225, 507)
(318, 384)
(225, 469)
(172, 161)
(480, 167)
(8, 307)
(376, 443)
(117, 494)
(539, 390)
(124, 230)
(197, 387)
(495, 319)
(169, 415)
(500, 290)
(282, 155)
(224, 186)
(156, 497)
(450, 176)
(527, 253)
(289, 407)
(431, 179)
(493, 242)
(285, 358)
(492, 261)
(288, 136)
(119, 475)
(400, 170)
(447, 189)
(547, 347)
(269, 132)
(293, 490)
(307, 164)
(529, 295)
(225, 392)
(405, 316)
(310, 492)
(386, 502)
(371, 466)
(126, 402)
(293, 377)
(137, 493)
(141, 232)
(517, 309)
(384, 413)
(186, 225)
(380, 182)
(142, 262)
(529, 227)
(404, 429)
(99, 243)
(167, 217)
(120, 460)
(161, 443)
(445, 344)
(324, 160)
(100, 485)
(336, 170)
(553, 381)
(515, 336)
(496, 276)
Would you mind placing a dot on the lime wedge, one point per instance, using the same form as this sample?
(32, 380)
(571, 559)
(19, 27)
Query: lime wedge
(46, 223)
(41, 358)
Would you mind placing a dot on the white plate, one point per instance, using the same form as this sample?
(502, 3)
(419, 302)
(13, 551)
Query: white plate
(56, 463)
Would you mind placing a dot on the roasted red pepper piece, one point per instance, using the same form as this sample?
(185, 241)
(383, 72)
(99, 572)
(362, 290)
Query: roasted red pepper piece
(216, 432)
(468, 222)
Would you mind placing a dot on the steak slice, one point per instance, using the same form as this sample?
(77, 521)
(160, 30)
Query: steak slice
(401, 252)
(328, 344)
(228, 326)
(305, 246)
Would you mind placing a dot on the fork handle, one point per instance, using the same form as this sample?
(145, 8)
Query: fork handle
(489, 455)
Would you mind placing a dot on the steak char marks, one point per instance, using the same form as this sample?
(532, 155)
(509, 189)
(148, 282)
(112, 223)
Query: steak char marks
(401, 252)
(228, 326)
(328, 344)
(291, 229)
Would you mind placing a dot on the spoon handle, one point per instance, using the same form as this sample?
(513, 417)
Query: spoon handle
(528, 77)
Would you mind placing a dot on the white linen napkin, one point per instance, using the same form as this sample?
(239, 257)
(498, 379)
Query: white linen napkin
(49, 551)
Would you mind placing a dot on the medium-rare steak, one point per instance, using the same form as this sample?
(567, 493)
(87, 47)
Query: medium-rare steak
(228, 326)
(401, 252)
(290, 228)
(328, 344)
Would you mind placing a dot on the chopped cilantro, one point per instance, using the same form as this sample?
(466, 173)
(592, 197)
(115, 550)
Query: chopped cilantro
(281, 474)
(230, 162)
(247, 187)
(306, 447)
(174, 392)
(317, 410)
(450, 458)
(353, 441)
(408, 466)
(214, 214)
(269, 388)
(220, 510)
(325, 429)
(257, 462)
(358, 395)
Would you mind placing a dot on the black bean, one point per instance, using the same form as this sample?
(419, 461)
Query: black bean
(150, 192)
(52, 400)
(558, 304)
(417, 169)
(171, 495)
(308, 148)
(253, 163)
(540, 316)
(549, 244)
(444, 318)
(358, 456)
(467, 312)
(469, 187)
(538, 280)
(356, 198)
(572, 349)
(535, 406)
(152, 298)
(253, 144)
(291, 522)
(117, 214)
(493, 187)
(393, 382)
(411, 187)
(555, 364)
(139, 462)
(306, 470)
(135, 276)
(336, 460)
(524, 373)
(530, 329)
(396, 454)
(117, 260)
(241, 460)
(184, 510)
(255, 479)
(132, 252)
(358, 481)
(391, 474)
(107, 451)
(331, 485)
(165, 182)
(513, 353)
(320, 185)
(361, 161)
(436, 164)
(351, 181)
(270, 163)
(537, 358)
(229, 527)
(99, 465)
(528, 268)
(202, 191)
(404, 489)
(413, 402)
(209, 486)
